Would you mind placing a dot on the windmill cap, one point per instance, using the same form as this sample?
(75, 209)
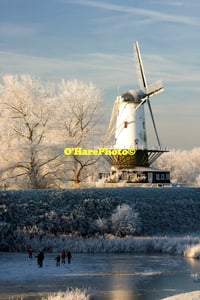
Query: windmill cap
(133, 96)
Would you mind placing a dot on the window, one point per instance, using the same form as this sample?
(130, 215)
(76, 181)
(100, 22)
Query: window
(157, 176)
(125, 124)
(162, 176)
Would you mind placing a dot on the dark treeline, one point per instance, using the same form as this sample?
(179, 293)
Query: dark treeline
(96, 213)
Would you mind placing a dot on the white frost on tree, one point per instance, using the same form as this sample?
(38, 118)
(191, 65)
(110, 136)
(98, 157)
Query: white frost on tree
(25, 125)
(124, 220)
(184, 165)
(38, 120)
(102, 224)
(80, 114)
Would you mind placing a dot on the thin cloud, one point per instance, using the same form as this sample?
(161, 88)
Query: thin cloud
(16, 30)
(106, 70)
(154, 15)
(169, 3)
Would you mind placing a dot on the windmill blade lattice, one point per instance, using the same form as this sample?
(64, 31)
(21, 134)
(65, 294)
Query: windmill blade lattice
(153, 89)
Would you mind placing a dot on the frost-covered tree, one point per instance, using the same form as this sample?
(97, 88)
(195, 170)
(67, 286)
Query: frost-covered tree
(27, 156)
(80, 114)
(38, 120)
(125, 220)
(102, 225)
(184, 165)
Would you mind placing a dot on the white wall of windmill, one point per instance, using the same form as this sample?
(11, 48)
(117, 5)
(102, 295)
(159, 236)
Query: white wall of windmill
(130, 127)
(140, 128)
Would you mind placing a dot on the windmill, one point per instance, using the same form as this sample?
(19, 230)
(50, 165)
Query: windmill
(128, 126)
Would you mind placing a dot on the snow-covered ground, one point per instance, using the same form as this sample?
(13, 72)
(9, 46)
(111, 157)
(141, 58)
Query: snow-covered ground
(185, 296)
(107, 276)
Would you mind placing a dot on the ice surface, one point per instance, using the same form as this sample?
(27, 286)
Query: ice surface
(119, 276)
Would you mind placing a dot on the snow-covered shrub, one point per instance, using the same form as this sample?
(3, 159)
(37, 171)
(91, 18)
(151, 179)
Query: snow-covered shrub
(193, 251)
(102, 225)
(72, 294)
(124, 220)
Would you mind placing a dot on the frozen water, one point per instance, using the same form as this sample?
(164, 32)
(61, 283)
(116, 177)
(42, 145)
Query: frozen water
(119, 276)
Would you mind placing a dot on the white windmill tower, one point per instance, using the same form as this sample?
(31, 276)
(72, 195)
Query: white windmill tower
(128, 126)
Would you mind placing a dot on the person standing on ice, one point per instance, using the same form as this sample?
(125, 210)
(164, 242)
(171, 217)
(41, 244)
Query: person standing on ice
(69, 256)
(58, 261)
(30, 252)
(63, 256)
(40, 259)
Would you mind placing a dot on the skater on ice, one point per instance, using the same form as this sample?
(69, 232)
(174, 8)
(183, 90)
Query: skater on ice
(57, 261)
(30, 252)
(40, 259)
(63, 256)
(69, 256)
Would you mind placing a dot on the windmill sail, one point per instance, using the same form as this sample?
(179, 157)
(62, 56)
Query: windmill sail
(153, 88)
(150, 90)
(112, 124)
(139, 67)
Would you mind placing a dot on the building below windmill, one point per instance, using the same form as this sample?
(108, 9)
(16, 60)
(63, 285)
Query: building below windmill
(136, 176)
(127, 125)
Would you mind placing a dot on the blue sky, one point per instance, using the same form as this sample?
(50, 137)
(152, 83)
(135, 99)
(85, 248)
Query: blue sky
(92, 40)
